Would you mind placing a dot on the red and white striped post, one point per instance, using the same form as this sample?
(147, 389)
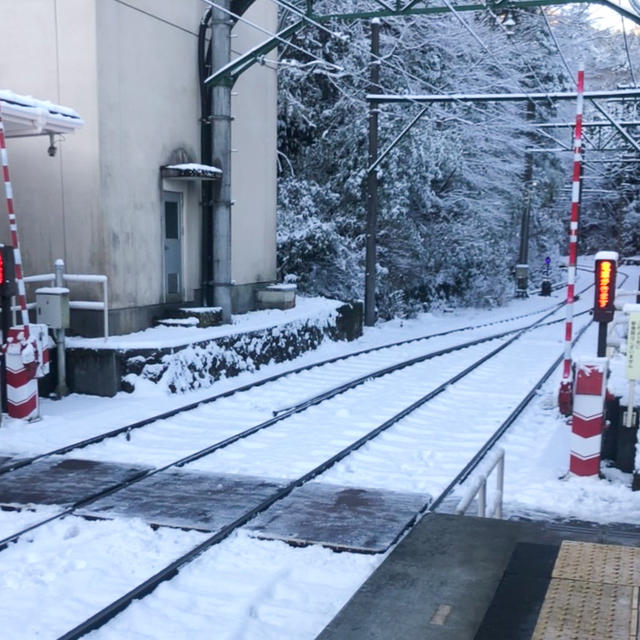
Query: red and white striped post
(588, 416)
(21, 352)
(565, 393)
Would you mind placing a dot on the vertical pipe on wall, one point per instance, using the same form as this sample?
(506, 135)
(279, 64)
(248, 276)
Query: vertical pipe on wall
(204, 71)
(221, 153)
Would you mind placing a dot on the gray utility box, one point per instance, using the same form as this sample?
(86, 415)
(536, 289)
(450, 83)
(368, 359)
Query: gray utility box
(52, 307)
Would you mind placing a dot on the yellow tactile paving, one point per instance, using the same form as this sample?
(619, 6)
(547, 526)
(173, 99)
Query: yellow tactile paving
(611, 564)
(593, 594)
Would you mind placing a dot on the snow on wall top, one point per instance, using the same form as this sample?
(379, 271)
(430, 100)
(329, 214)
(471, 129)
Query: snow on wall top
(191, 170)
(194, 166)
(318, 309)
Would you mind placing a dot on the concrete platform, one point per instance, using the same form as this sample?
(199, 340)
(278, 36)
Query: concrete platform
(465, 578)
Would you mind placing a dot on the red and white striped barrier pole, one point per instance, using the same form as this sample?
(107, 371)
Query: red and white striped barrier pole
(565, 394)
(21, 353)
(588, 416)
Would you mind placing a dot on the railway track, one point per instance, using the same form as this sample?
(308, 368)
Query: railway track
(125, 452)
(395, 352)
(299, 480)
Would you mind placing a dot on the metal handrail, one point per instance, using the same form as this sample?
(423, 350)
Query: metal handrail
(479, 488)
(76, 304)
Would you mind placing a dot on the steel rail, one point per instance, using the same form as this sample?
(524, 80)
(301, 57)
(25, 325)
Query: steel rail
(283, 415)
(241, 389)
(145, 588)
(515, 414)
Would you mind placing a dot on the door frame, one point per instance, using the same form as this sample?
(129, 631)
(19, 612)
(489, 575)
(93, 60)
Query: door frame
(178, 198)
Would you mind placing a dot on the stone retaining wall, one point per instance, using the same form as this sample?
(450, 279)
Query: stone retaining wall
(104, 372)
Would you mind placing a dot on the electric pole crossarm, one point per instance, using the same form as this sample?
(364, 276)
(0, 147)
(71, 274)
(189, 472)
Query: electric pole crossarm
(411, 9)
(618, 127)
(229, 72)
(501, 97)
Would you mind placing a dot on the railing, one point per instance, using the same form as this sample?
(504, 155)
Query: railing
(63, 278)
(479, 488)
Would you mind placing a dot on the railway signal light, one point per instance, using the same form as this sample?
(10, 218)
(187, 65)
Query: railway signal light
(605, 273)
(7, 272)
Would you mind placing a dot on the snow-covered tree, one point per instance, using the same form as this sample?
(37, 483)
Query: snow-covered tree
(452, 192)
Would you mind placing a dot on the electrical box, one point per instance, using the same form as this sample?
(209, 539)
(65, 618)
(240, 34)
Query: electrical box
(52, 307)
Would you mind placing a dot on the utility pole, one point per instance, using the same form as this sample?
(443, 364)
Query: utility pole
(372, 182)
(221, 147)
(522, 268)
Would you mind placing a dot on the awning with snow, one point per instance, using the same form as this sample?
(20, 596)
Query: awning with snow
(190, 171)
(26, 116)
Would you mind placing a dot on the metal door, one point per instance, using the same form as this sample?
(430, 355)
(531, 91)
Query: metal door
(172, 245)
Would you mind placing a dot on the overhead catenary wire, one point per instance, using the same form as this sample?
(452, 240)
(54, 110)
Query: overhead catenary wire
(256, 26)
(622, 132)
(334, 34)
(626, 47)
(378, 58)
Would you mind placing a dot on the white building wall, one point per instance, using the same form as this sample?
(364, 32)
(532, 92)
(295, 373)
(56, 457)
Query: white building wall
(130, 71)
(56, 198)
(149, 106)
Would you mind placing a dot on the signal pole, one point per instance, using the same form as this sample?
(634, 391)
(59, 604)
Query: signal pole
(522, 268)
(566, 385)
(372, 182)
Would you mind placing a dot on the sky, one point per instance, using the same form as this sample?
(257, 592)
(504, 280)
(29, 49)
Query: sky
(607, 18)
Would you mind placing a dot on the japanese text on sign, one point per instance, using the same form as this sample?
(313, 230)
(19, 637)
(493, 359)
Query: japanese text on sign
(604, 284)
(633, 347)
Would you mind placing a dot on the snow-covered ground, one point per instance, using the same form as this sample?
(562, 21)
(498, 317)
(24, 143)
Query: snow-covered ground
(243, 588)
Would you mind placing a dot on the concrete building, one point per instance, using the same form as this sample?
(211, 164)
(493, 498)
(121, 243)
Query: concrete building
(107, 203)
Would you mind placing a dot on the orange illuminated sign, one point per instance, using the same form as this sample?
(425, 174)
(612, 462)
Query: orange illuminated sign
(605, 290)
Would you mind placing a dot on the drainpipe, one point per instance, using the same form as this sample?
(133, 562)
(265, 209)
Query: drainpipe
(221, 143)
(204, 71)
